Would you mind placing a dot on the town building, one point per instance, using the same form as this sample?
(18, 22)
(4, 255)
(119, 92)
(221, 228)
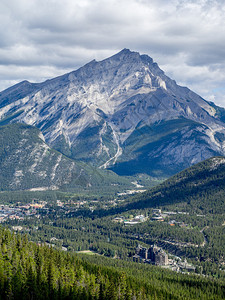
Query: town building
(156, 211)
(153, 254)
(161, 258)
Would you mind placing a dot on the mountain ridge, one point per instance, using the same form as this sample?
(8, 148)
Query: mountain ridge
(93, 113)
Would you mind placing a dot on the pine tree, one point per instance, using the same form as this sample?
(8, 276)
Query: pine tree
(111, 293)
(101, 292)
(122, 286)
(50, 280)
(31, 290)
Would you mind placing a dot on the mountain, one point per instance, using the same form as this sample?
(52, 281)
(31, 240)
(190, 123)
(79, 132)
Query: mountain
(27, 162)
(199, 189)
(121, 113)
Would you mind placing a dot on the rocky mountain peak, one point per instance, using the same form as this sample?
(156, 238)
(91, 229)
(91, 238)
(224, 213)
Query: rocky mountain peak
(121, 111)
(125, 54)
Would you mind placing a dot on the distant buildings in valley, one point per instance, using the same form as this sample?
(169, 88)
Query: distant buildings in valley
(132, 221)
(131, 192)
(153, 254)
(19, 212)
(158, 215)
(157, 256)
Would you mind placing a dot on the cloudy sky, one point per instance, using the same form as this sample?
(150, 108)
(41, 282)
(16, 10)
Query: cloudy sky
(40, 39)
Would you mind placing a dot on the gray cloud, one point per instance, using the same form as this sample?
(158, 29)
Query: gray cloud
(42, 39)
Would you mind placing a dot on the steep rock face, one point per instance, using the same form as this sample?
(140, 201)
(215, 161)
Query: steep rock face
(122, 112)
(27, 162)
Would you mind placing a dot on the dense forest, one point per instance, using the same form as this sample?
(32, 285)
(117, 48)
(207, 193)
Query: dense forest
(197, 193)
(33, 271)
(33, 266)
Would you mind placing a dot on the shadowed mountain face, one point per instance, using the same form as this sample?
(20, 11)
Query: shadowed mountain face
(121, 113)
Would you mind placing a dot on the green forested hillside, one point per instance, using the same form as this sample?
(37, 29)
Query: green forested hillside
(199, 189)
(32, 271)
(195, 196)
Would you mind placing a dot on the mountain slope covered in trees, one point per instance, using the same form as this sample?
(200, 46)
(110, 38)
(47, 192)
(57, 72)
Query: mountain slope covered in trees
(31, 271)
(200, 188)
(191, 201)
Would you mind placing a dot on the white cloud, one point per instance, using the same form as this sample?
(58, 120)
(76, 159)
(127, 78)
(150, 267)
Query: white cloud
(42, 39)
